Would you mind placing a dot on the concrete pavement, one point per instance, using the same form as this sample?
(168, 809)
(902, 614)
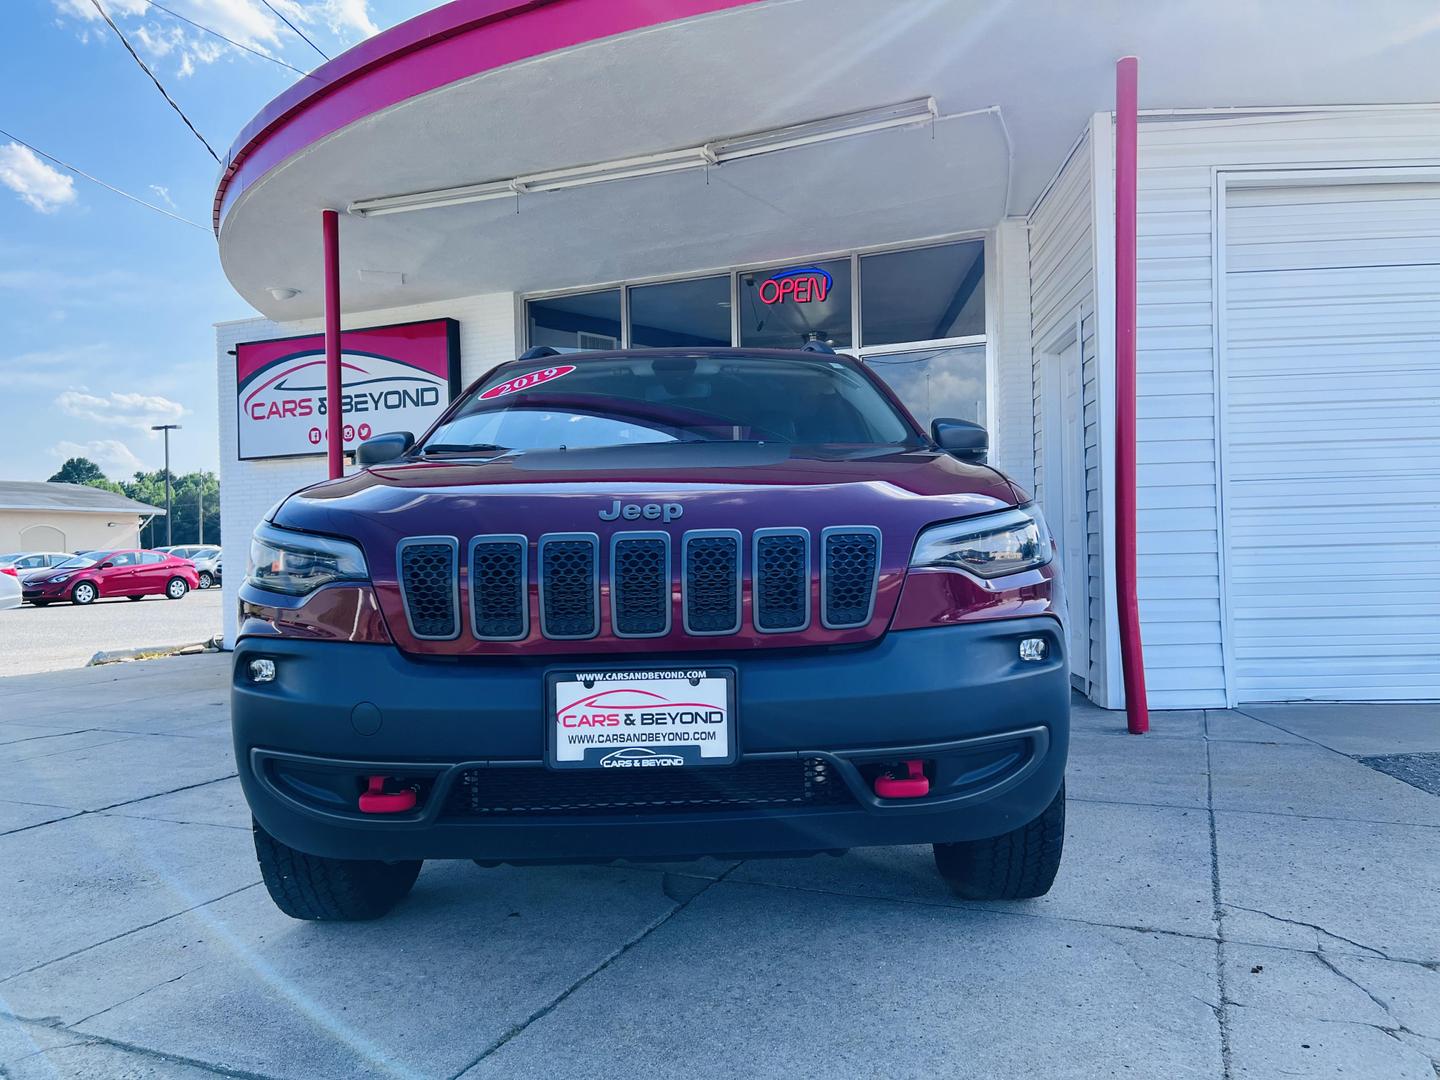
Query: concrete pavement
(1240, 898)
(63, 636)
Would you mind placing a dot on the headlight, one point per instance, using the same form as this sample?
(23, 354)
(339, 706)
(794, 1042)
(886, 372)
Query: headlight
(297, 563)
(989, 546)
(62, 577)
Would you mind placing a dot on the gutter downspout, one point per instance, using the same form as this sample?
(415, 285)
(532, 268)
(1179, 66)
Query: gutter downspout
(334, 445)
(1127, 124)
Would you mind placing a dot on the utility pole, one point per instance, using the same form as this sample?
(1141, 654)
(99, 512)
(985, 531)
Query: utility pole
(166, 429)
(200, 512)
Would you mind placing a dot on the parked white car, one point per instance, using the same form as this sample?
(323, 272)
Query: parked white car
(206, 558)
(9, 592)
(20, 564)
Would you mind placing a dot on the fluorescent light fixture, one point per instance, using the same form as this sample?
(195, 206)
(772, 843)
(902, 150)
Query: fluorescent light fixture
(906, 114)
(921, 111)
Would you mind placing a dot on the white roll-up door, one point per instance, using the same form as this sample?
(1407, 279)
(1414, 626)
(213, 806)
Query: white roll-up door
(1332, 441)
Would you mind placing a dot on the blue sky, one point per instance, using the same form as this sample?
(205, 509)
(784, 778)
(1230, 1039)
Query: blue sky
(106, 307)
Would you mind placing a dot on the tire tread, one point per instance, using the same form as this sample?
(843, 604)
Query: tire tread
(316, 888)
(1018, 865)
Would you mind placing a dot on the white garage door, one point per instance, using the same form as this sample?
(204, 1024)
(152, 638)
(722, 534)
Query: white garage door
(1332, 430)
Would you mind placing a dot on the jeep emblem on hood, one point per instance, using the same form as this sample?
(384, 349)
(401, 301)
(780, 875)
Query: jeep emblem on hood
(665, 512)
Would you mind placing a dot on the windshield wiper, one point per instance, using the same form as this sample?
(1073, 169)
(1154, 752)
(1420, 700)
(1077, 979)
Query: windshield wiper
(460, 448)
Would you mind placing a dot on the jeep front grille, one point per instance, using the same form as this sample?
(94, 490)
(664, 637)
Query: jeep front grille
(643, 575)
(499, 599)
(428, 586)
(748, 785)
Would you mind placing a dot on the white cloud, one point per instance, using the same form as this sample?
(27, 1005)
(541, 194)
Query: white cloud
(249, 22)
(163, 194)
(41, 187)
(112, 455)
(136, 411)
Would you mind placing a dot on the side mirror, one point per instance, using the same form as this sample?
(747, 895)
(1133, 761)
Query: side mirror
(383, 448)
(961, 438)
(106, 565)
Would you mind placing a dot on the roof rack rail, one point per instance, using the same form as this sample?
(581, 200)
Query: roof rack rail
(538, 352)
(817, 346)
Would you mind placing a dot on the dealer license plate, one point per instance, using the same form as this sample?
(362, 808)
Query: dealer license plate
(641, 718)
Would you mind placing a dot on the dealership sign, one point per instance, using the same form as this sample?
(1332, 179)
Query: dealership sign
(393, 378)
(802, 285)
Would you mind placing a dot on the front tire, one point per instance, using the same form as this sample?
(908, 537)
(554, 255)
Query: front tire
(1018, 865)
(330, 890)
(176, 588)
(83, 593)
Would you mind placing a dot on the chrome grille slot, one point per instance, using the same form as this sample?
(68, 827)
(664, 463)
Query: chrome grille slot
(710, 581)
(849, 568)
(781, 582)
(428, 569)
(499, 596)
(569, 585)
(640, 584)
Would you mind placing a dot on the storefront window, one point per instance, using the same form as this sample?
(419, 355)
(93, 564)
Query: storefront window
(680, 313)
(786, 306)
(576, 323)
(923, 294)
(946, 382)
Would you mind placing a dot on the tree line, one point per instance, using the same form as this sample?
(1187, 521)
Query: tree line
(194, 500)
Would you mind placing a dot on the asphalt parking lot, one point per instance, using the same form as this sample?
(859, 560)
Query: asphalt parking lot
(1241, 897)
(65, 636)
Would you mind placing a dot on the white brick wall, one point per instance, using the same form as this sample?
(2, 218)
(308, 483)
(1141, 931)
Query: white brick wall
(488, 336)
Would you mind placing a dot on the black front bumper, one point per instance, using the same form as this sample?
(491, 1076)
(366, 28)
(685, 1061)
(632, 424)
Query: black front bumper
(994, 729)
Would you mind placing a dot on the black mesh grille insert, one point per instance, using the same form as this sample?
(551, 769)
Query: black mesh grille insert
(427, 576)
(640, 586)
(712, 572)
(497, 588)
(567, 586)
(749, 785)
(850, 564)
(782, 582)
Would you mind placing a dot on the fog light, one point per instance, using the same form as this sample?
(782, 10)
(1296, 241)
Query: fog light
(264, 670)
(1032, 649)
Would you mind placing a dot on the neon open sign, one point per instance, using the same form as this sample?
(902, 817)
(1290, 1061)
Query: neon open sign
(803, 285)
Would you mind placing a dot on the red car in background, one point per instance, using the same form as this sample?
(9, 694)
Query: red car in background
(131, 573)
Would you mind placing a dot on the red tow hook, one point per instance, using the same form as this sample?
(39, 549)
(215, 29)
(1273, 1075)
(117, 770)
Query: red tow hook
(912, 785)
(376, 801)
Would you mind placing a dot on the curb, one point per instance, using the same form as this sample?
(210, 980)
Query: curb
(151, 652)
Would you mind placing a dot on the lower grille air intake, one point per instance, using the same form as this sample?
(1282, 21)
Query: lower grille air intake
(429, 586)
(711, 582)
(749, 785)
(848, 569)
(499, 604)
(569, 585)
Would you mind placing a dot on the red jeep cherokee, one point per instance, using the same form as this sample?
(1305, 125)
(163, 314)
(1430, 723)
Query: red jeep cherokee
(653, 605)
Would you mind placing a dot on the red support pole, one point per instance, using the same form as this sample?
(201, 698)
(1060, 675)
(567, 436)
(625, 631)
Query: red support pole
(1127, 125)
(334, 444)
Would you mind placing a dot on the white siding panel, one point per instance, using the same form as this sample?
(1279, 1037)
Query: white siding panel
(1062, 306)
(1332, 422)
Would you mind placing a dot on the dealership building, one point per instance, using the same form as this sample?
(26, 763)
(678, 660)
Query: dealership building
(930, 186)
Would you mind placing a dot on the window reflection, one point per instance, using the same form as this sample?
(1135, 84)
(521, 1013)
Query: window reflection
(576, 323)
(923, 294)
(937, 382)
(786, 306)
(680, 313)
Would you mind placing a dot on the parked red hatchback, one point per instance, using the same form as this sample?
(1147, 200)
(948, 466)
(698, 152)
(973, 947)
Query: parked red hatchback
(129, 573)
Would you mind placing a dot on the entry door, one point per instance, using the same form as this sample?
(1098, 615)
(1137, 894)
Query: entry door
(1332, 440)
(1063, 493)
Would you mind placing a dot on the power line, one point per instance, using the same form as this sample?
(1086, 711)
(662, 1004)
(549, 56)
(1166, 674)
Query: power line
(230, 41)
(102, 183)
(292, 26)
(145, 68)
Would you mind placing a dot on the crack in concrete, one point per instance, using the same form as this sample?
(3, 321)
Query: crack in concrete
(545, 1010)
(1218, 916)
(1319, 930)
(132, 1048)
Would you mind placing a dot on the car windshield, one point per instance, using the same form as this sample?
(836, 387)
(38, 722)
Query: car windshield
(583, 403)
(76, 562)
(207, 553)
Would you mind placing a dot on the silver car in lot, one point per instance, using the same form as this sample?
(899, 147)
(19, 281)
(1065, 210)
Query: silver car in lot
(206, 558)
(20, 564)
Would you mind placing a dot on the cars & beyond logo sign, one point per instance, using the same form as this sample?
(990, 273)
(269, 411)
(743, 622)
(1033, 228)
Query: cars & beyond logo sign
(393, 378)
(802, 285)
